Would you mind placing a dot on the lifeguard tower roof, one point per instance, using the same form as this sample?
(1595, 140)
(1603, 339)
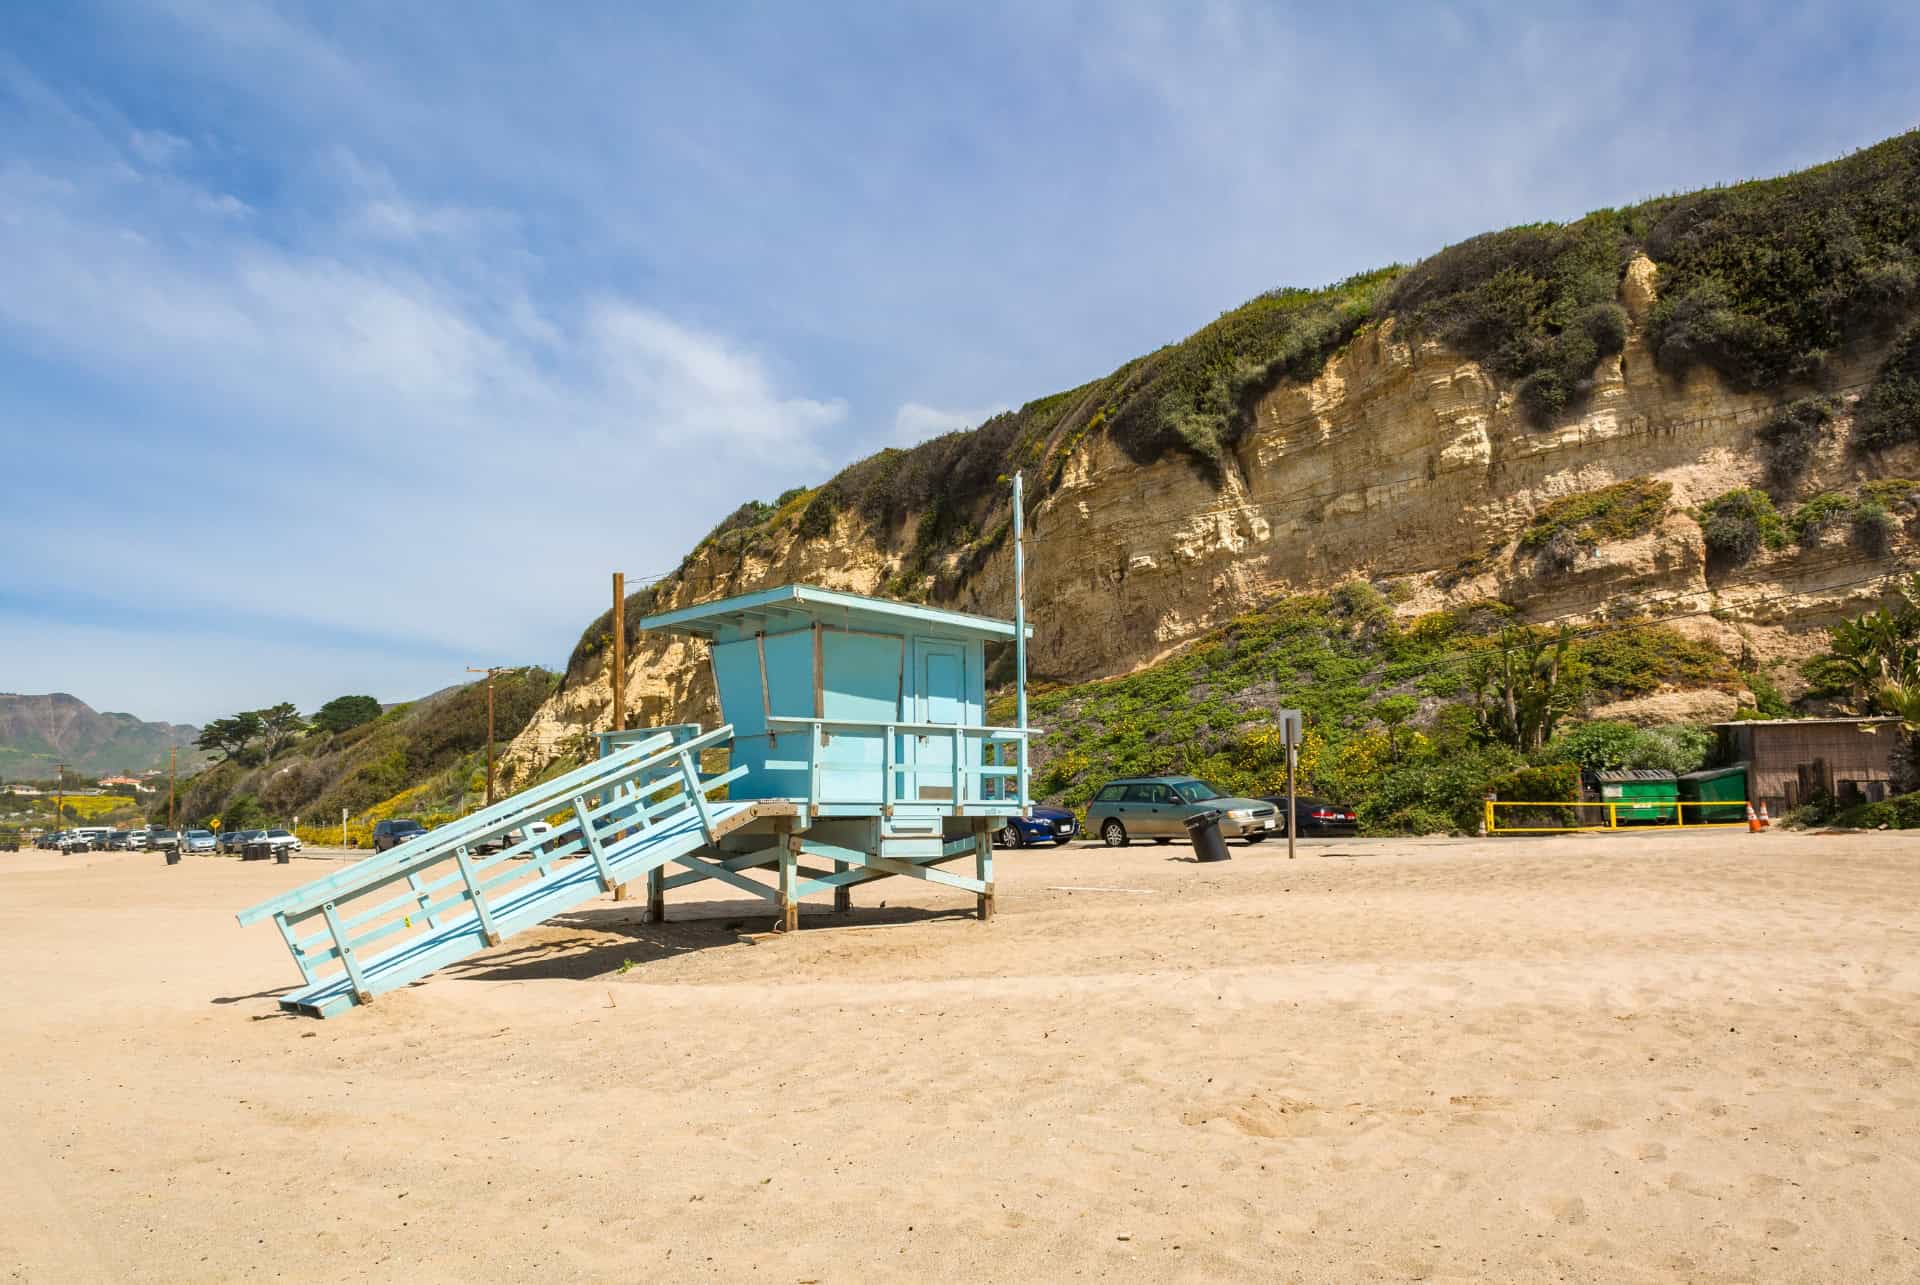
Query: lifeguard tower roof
(796, 605)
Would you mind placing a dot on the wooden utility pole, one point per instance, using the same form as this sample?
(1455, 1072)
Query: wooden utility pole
(490, 671)
(173, 763)
(59, 797)
(618, 673)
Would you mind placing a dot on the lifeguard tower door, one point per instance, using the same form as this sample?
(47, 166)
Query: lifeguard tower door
(940, 686)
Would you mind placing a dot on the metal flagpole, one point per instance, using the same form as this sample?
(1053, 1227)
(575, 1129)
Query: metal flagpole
(1020, 628)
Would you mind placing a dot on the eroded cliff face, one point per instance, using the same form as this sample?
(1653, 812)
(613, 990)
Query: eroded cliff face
(1403, 464)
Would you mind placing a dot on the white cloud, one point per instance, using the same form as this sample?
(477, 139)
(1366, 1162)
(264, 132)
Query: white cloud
(915, 422)
(435, 437)
(700, 386)
(157, 147)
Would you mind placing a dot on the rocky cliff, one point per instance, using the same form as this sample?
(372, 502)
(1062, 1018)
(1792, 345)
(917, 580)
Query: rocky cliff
(1373, 442)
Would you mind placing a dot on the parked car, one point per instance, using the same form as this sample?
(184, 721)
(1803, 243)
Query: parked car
(201, 841)
(137, 839)
(9, 840)
(393, 833)
(163, 841)
(236, 840)
(1046, 825)
(1317, 816)
(72, 841)
(279, 839)
(120, 841)
(536, 830)
(1157, 808)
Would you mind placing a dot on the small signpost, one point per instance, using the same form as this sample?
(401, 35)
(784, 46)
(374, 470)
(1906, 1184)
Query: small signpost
(1290, 729)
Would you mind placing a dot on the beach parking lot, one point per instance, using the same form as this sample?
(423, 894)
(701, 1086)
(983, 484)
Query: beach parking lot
(1612, 1057)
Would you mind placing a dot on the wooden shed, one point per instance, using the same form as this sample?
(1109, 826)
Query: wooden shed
(1852, 760)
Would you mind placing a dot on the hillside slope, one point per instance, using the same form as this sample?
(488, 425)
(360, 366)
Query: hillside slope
(37, 732)
(421, 758)
(1448, 434)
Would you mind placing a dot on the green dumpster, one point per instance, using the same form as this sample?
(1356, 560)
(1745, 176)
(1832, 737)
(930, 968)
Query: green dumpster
(1711, 785)
(1646, 795)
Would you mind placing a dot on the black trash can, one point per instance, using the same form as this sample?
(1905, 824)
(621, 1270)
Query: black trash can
(283, 853)
(256, 851)
(173, 855)
(1203, 831)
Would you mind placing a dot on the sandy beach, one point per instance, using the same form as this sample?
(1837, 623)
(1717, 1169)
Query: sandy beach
(1621, 1058)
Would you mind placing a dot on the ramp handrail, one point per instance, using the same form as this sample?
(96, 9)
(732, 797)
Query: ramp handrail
(443, 882)
(532, 804)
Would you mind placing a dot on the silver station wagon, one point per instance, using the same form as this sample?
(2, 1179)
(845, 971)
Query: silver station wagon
(1157, 808)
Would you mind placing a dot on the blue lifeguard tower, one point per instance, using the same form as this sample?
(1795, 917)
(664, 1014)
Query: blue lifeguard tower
(854, 747)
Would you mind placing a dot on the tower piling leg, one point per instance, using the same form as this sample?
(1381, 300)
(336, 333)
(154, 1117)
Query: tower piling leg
(843, 895)
(983, 867)
(657, 896)
(789, 861)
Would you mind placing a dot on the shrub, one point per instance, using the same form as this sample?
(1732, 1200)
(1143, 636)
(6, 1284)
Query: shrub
(1791, 437)
(1617, 512)
(1551, 783)
(1870, 816)
(816, 520)
(1738, 524)
(1196, 397)
(1818, 516)
(1767, 700)
(1872, 529)
(1633, 660)
(1890, 412)
(1534, 304)
(1607, 746)
(1760, 281)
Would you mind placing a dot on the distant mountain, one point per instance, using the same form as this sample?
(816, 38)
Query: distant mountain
(39, 732)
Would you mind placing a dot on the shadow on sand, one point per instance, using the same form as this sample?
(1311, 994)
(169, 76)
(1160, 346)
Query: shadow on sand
(705, 925)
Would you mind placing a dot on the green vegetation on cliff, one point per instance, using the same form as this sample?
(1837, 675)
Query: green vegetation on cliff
(1408, 721)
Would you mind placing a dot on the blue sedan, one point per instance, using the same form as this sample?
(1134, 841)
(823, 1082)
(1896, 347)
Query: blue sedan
(1046, 825)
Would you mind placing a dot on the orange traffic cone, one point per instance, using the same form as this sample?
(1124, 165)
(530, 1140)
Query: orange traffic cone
(1765, 820)
(1753, 822)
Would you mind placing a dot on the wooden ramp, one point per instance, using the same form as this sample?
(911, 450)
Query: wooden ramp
(402, 914)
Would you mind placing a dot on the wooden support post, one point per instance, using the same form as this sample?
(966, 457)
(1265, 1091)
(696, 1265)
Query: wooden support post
(657, 895)
(843, 895)
(293, 945)
(789, 859)
(983, 866)
(343, 946)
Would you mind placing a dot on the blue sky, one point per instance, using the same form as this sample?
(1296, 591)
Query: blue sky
(343, 345)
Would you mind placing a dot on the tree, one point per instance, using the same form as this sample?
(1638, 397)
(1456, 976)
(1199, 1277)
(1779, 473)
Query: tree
(1525, 685)
(278, 723)
(1394, 711)
(1876, 650)
(229, 737)
(344, 713)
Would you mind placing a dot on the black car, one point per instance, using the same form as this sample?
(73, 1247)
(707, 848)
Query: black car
(1319, 817)
(391, 834)
(237, 840)
(120, 841)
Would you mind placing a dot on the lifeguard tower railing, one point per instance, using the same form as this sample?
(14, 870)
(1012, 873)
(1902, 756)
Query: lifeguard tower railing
(974, 776)
(987, 766)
